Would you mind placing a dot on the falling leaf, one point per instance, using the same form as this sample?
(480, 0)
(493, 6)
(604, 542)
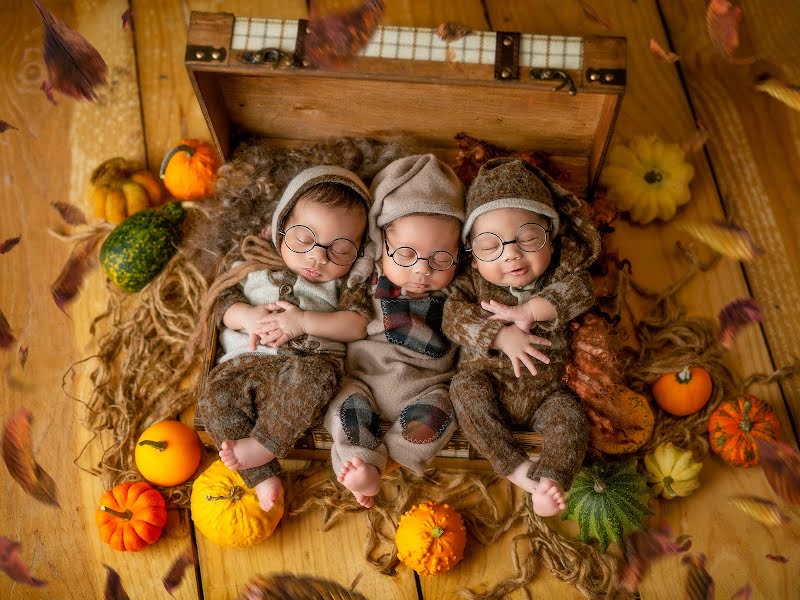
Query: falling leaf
(22, 355)
(778, 558)
(82, 259)
(729, 240)
(780, 90)
(781, 465)
(661, 54)
(699, 585)
(12, 564)
(18, 456)
(75, 67)
(736, 315)
(175, 574)
(643, 547)
(5, 125)
(127, 19)
(452, 32)
(451, 55)
(722, 21)
(71, 214)
(697, 141)
(7, 245)
(762, 510)
(333, 39)
(47, 88)
(592, 14)
(6, 336)
(743, 593)
(114, 589)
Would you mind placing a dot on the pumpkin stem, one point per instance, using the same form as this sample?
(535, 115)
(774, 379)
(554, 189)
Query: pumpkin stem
(126, 516)
(684, 375)
(160, 446)
(182, 148)
(745, 424)
(653, 176)
(235, 493)
(437, 532)
(599, 485)
(668, 486)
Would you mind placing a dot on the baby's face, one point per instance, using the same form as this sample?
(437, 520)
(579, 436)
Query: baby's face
(423, 235)
(327, 223)
(515, 267)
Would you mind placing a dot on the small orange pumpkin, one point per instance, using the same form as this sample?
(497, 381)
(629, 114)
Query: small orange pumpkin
(735, 425)
(190, 169)
(131, 516)
(683, 393)
(168, 453)
(431, 538)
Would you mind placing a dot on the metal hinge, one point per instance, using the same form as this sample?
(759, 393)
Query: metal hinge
(506, 62)
(205, 54)
(555, 75)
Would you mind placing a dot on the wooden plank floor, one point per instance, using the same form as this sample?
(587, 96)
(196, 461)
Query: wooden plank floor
(750, 172)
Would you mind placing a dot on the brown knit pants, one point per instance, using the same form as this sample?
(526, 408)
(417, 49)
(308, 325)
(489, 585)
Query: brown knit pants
(272, 398)
(487, 405)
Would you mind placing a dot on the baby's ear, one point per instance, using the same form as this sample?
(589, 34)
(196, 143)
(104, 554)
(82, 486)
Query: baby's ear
(266, 233)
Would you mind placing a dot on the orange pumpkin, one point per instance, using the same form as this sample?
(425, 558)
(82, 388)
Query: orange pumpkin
(168, 453)
(431, 538)
(190, 169)
(131, 516)
(684, 392)
(735, 425)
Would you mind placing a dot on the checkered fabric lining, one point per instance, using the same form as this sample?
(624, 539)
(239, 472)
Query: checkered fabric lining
(418, 43)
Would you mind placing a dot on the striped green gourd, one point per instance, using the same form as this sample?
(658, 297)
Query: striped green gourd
(141, 246)
(608, 501)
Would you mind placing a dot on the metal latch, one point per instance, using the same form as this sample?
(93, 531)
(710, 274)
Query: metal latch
(205, 54)
(555, 75)
(506, 61)
(606, 76)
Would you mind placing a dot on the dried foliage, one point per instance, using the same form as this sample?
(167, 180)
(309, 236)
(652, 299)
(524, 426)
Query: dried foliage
(5, 126)
(22, 356)
(81, 261)
(762, 510)
(71, 214)
(6, 335)
(114, 589)
(452, 32)
(723, 20)
(286, 586)
(8, 244)
(11, 563)
(743, 593)
(787, 93)
(699, 584)
(780, 558)
(781, 463)
(177, 570)
(735, 315)
(18, 456)
(661, 54)
(48, 88)
(696, 142)
(725, 238)
(643, 547)
(333, 39)
(127, 19)
(592, 14)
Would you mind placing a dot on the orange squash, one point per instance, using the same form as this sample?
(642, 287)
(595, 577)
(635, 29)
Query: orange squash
(189, 170)
(131, 516)
(168, 453)
(431, 538)
(121, 188)
(683, 393)
(735, 425)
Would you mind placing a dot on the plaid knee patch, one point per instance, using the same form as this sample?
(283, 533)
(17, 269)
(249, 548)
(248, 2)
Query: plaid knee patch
(360, 423)
(426, 420)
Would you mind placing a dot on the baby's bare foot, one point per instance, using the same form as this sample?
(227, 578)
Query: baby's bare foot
(548, 499)
(244, 454)
(268, 492)
(519, 477)
(363, 479)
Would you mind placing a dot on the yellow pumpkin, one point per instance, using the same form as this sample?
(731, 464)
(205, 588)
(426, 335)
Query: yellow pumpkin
(121, 188)
(648, 178)
(190, 169)
(227, 512)
(168, 453)
(431, 538)
(673, 470)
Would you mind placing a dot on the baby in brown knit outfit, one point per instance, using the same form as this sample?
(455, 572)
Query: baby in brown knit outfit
(535, 283)
(282, 323)
(401, 372)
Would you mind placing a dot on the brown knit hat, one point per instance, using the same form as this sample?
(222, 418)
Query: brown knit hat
(509, 183)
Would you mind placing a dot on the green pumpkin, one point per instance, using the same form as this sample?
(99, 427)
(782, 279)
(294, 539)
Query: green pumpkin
(608, 502)
(141, 246)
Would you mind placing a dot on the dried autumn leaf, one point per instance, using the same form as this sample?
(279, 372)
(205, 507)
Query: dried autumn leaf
(47, 88)
(11, 564)
(333, 39)
(592, 14)
(127, 19)
(722, 21)
(697, 141)
(8, 244)
(6, 336)
(71, 214)
(729, 240)
(643, 547)
(762, 510)
(452, 32)
(175, 574)
(743, 593)
(661, 54)
(5, 126)
(18, 456)
(699, 584)
(736, 315)
(74, 65)
(778, 558)
(780, 90)
(22, 355)
(114, 589)
(781, 465)
(82, 259)
(451, 55)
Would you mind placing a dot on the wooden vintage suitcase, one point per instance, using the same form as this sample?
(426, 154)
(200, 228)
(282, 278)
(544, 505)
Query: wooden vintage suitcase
(521, 91)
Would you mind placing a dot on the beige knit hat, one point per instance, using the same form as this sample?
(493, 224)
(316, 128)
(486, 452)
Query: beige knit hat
(307, 179)
(510, 183)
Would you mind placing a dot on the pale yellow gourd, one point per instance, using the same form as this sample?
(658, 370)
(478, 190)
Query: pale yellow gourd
(672, 470)
(227, 512)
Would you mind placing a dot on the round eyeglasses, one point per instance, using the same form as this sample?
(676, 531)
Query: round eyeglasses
(302, 239)
(441, 260)
(531, 237)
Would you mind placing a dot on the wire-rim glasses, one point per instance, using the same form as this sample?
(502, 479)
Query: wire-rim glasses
(488, 246)
(301, 240)
(441, 260)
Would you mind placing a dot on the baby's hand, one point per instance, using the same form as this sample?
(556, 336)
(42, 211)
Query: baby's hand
(518, 345)
(250, 318)
(284, 322)
(522, 316)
